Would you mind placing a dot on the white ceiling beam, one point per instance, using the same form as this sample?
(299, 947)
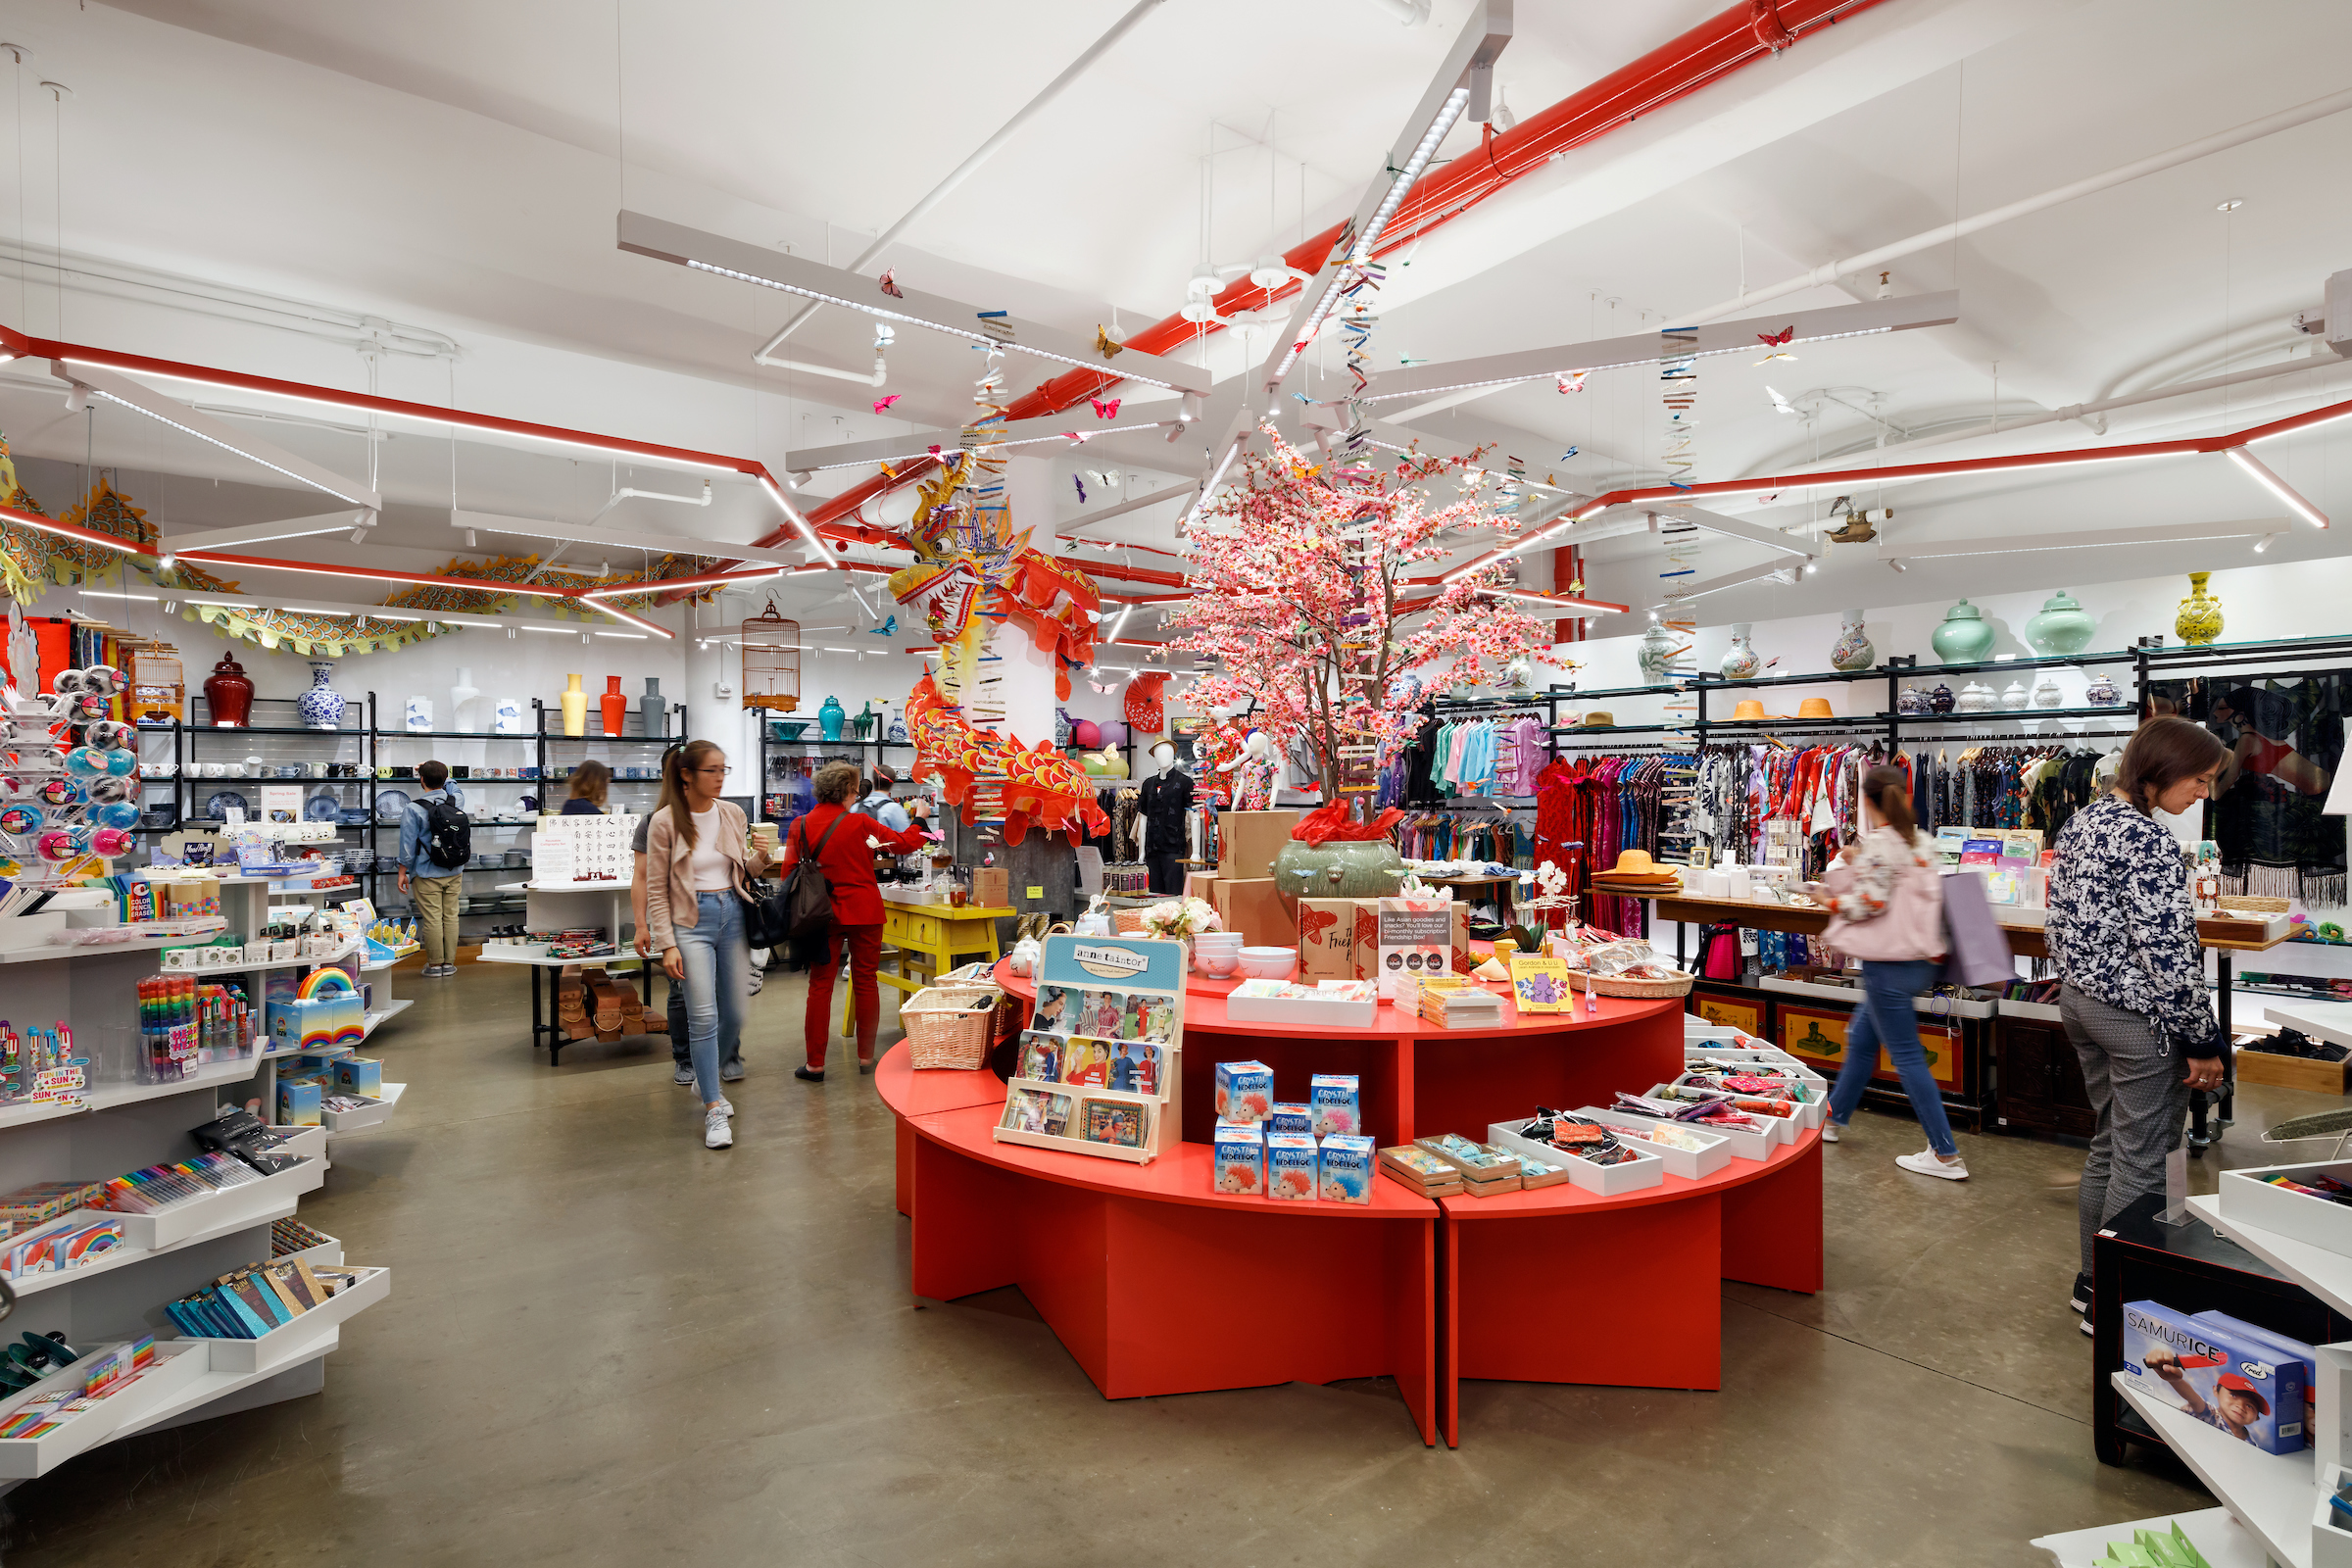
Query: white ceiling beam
(1052, 428)
(499, 523)
(1785, 572)
(1494, 371)
(1087, 519)
(1728, 527)
(1897, 552)
(255, 533)
(906, 307)
(121, 390)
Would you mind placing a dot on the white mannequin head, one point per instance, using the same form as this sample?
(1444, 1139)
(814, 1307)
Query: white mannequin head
(1164, 756)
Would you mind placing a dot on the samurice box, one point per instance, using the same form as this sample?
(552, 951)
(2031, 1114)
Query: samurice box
(1644, 1170)
(2242, 1388)
(2250, 1201)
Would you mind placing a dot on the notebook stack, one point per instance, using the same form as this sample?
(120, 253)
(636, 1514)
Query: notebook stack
(1451, 1002)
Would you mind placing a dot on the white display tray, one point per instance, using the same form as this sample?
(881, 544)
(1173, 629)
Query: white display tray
(307, 1142)
(2270, 1493)
(2331, 1543)
(1688, 1163)
(293, 1342)
(2252, 1201)
(1644, 1170)
(2224, 1542)
(1302, 1010)
(329, 1251)
(250, 1204)
(352, 1121)
(1746, 1144)
(177, 1364)
(1925, 1007)
(2041, 1011)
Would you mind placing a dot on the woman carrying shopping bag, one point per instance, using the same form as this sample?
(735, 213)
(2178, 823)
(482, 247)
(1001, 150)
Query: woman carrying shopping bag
(2125, 938)
(1886, 899)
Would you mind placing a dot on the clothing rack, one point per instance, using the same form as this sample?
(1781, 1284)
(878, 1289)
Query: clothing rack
(2053, 739)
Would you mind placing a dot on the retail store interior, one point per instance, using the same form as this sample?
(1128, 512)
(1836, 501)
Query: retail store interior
(1122, 789)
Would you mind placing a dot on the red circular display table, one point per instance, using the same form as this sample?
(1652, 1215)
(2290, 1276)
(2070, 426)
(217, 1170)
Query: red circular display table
(1158, 1283)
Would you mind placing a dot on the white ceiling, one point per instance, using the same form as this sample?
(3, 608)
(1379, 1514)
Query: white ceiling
(454, 167)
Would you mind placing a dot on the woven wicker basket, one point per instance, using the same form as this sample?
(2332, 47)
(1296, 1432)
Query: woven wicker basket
(2235, 902)
(1127, 922)
(950, 1026)
(1646, 990)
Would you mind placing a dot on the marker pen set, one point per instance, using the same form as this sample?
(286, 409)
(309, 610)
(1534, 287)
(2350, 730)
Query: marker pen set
(159, 1186)
(184, 1022)
(39, 1067)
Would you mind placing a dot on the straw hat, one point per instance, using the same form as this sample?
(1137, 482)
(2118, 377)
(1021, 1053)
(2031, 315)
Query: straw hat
(1814, 708)
(1599, 719)
(1748, 711)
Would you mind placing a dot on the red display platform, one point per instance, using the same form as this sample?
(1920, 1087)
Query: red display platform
(908, 1093)
(1158, 1284)
(1643, 1269)
(1417, 1079)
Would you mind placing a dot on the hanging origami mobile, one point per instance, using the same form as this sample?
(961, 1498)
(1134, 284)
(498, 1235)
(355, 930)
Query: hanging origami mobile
(1773, 340)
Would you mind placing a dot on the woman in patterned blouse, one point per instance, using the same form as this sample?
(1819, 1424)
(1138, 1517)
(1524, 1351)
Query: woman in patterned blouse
(2125, 938)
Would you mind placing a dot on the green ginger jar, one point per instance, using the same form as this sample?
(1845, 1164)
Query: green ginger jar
(1965, 637)
(2063, 627)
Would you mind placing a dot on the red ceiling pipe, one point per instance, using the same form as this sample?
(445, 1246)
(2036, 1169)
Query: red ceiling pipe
(1722, 44)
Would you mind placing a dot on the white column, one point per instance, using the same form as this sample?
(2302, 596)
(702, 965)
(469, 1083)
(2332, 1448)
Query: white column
(1027, 669)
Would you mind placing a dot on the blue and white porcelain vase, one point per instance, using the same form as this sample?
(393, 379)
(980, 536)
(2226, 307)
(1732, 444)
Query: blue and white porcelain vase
(322, 706)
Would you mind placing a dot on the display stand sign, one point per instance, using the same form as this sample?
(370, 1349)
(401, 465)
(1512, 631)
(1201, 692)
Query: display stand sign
(570, 849)
(1416, 941)
(1100, 1070)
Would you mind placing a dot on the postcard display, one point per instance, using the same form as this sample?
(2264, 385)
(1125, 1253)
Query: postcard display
(1100, 1069)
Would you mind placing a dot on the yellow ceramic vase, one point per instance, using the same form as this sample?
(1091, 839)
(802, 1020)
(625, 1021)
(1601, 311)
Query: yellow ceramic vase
(575, 708)
(2199, 622)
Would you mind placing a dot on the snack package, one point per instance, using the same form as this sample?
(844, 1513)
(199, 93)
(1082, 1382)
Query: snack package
(2238, 1385)
(1244, 1091)
(1335, 1102)
(1347, 1169)
(1238, 1156)
(1291, 1162)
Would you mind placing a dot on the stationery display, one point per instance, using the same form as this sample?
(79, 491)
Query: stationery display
(1097, 1070)
(185, 1024)
(157, 1188)
(37, 1359)
(60, 1247)
(251, 1302)
(40, 1068)
(1451, 1002)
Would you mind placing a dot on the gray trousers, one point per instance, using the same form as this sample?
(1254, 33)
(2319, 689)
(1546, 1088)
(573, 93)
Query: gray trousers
(2140, 1089)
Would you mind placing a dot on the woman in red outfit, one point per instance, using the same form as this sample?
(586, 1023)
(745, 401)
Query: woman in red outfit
(840, 839)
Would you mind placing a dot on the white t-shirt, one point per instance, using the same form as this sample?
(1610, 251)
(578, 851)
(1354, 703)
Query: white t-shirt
(710, 867)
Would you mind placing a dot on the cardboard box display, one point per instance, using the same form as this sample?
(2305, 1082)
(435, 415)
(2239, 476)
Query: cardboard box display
(1201, 885)
(1248, 841)
(1251, 907)
(2243, 1387)
(1327, 939)
(992, 887)
(298, 1103)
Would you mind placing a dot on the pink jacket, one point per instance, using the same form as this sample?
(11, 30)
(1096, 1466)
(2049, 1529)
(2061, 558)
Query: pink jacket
(1887, 903)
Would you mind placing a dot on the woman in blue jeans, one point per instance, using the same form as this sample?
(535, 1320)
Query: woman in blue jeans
(1886, 899)
(698, 864)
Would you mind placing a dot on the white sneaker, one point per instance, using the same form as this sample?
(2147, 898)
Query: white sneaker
(717, 1134)
(726, 1105)
(1828, 1131)
(1927, 1163)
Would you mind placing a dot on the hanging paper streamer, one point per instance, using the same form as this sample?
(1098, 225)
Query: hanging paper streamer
(1678, 378)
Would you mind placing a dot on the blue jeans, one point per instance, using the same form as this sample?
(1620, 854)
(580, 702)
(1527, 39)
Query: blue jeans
(718, 979)
(1886, 1018)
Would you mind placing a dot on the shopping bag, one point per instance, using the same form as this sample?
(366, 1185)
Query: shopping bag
(1976, 952)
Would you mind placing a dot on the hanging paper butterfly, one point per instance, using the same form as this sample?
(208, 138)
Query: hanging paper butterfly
(889, 629)
(1780, 339)
(1104, 344)
(880, 404)
(890, 282)
(1100, 689)
(1572, 381)
(1081, 484)
(1570, 452)
(1106, 409)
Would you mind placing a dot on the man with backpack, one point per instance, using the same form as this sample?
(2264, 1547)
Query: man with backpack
(436, 839)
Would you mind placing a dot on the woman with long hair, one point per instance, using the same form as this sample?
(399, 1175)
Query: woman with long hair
(698, 868)
(1886, 898)
(2123, 935)
(589, 783)
(840, 840)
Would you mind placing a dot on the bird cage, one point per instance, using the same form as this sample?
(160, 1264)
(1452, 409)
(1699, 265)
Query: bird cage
(771, 661)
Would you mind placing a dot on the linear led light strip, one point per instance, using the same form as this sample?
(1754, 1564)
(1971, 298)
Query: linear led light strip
(913, 452)
(1565, 602)
(1361, 251)
(776, 493)
(184, 429)
(1611, 365)
(822, 297)
(2276, 486)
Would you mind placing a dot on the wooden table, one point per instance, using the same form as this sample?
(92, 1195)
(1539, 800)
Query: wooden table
(932, 935)
(1504, 902)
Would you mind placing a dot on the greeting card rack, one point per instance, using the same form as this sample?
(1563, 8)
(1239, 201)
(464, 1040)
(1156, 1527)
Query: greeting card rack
(1130, 978)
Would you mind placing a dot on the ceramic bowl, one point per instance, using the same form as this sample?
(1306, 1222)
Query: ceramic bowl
(1216, 965)
(1269, 963)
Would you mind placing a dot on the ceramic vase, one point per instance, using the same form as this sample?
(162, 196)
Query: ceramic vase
(1062, 727)
(1974, 699)
(829, 718)
(1940, 700)
(613, 707)
(1852, 651)
(2047, 694)
(1658, 652)
(322, 706)
(459, 695)
(418, 713)
(2199, 622)
(2102, 693)
(575, 706)
(1338, 870)
(2016, 696)
(1913, 701)
(897, 725)
(507, 717)
(1741, 663)
(1965, 637)
(228, 694)
(653, 710)
(2063, 626)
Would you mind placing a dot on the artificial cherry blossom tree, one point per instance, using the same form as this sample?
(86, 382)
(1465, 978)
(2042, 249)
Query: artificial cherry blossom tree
(1305, 595)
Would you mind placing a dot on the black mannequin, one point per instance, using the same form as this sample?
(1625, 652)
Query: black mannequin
(1166, 796)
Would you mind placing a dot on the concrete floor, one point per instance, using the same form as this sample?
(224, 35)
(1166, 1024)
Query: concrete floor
(606, 1344)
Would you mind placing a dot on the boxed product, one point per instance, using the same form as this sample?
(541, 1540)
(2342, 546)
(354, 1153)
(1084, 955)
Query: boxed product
(1348, 1169)
(360, 1075)
(298, 1101)
(2285, 1346)
(1291, 1168)
(63, 1244)
(1327, 939)
(1238, 1156)
(1244, 1091)
(1335, 1102)
(44, 1202)
(2238, 1384)
(1201, 885)
(1251, 907)
(1292, 1121)
(992, 887)
(1248, 841)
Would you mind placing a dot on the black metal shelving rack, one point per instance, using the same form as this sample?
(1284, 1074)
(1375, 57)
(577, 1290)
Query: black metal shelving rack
(767, 743)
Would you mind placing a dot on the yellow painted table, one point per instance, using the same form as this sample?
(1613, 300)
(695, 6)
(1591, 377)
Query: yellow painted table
(933, 936)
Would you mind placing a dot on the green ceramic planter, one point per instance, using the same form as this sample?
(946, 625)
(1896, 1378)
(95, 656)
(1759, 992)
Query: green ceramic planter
(1371, 869)
(1965, 637)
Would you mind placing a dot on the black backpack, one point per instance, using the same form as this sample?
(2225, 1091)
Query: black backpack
(448, 834)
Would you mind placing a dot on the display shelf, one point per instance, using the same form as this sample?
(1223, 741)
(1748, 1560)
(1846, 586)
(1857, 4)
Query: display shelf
(190, 1224)
(107, 1098)
(355, 1122)
(2327, 1275)
(300, 1339)
(448, 735)
(2223, 1542)
(95, 949)
(177, 1369)
(385, 1014)
(194, 730)
(2270, 1493)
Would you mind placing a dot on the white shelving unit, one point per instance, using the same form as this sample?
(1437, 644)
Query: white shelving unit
(2224, 1542)
(123, 1125)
